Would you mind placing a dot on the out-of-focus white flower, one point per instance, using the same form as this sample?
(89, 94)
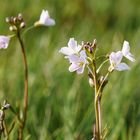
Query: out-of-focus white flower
(126, 51)
(4, 42)
(45, 19)
(72, 48)
(78, 63)
(115, 61)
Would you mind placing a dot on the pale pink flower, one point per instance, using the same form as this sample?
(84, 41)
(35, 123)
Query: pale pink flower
(115, 61)
(4, 41)
(72, 48)
(126, 51)
(78, 63)
(45, 19)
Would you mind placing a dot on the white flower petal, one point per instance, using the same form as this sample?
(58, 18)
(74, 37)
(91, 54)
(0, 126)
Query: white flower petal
(66, 51)
(115, 58)
(130, 57)
(80, 70)
(72, 43)
(83, 54)
(73, 67)
(45, 19)
(44, 15)
(78, 48)
(4, 42)
(74, 59)
(72, 49)
(122, 67)
(78, 64)
(50, 22)
(126, 51)
(126, 48)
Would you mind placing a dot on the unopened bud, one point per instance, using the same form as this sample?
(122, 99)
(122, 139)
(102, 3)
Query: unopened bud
(20, 17)
(88, 46)
(105, 81)
(15, 20)
(11, 20)
(91, 82)
(12, 28)
(94, 44)
(5, 105)
(22, 25)
(7, 19)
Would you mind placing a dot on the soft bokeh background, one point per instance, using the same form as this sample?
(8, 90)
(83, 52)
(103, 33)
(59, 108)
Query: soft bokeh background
(60, 102)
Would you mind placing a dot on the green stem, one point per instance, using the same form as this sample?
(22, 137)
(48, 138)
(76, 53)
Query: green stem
(100, 116)
(99, 89)
(6, 131)
(97, 106)
(25, 86)
(12, 126)
(102, 65)
(98, 109)
(28, 29)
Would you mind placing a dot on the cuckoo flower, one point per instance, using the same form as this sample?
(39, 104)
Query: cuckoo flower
(78, 62)
(45, 19)
(126, 51)
(4, 42)
(72, 48)
(115, 61)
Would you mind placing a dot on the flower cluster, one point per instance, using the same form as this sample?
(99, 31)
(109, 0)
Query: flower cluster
(17, 23)
(115, 58)
(83, 55)
(76, 56)
(79, 56)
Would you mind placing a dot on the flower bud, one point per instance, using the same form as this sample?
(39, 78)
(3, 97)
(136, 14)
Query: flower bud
(15, 20)
(22, 25)
(87, 47)
(7, 19)
(105, 81)
(90, 47)
(94, 44)
(12, 28)
(20, 17)
(91, 82)
(6, 106)
(11, 20)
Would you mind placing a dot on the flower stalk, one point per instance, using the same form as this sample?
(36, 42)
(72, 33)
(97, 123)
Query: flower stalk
(16, 25)
(97, 106)
(23, 122)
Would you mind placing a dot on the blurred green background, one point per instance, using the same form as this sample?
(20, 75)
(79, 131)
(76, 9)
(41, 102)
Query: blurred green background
(60, 102)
